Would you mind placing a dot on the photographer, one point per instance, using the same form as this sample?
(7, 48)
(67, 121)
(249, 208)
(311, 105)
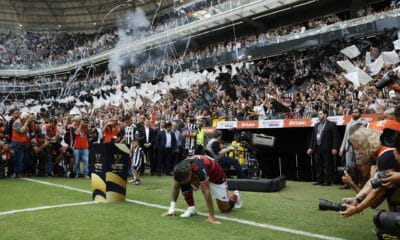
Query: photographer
(50, 130)
(111, 131)
(80, 146)
(20, 141)
(214, 150)
(6, 157)
(392, 178)
(66, 161)
(387, 222)
(366, 142)
(239, 151)
(93, 133)
(363, 170)
(41, 153)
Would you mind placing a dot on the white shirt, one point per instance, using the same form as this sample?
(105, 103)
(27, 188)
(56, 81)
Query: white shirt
(259, 110)
(168, 142)
(147, 134)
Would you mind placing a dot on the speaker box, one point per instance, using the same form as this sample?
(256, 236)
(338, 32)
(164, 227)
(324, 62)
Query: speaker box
(262, 140)
(260, 185)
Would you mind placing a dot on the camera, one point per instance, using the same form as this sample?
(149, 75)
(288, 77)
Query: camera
(387, 223)
(245, 136)
(377, 182)
(326, 205)
(86, 120)
(390, 138)
(390, 78)
(340, 170)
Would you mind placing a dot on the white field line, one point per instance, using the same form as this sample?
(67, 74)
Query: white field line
(44, 207)
(247, 222)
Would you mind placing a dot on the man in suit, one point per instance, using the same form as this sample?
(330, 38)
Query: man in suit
(166, 144)
(146, 141)
(324, 143)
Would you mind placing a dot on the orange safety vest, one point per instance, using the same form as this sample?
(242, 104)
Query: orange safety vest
(81, 140)
(19, 137)
(50, 132)
(114, 131)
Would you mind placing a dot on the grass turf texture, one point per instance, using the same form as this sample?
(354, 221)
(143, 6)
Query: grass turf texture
(294, 207)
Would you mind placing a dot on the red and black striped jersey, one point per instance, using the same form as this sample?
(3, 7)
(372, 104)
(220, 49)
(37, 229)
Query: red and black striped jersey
(208, 170)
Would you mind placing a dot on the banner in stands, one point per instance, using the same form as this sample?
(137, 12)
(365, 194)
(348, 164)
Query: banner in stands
(285, 123)
(110, 171)
(227, 125)
(278, 123)
(247, 124)
(295, 123)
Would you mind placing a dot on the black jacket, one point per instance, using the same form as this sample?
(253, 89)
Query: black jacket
(329, 137)
(162, 140)
(142, 136)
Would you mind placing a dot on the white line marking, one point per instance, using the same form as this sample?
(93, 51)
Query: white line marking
(44, 207)
(57, 185)
(247, 222)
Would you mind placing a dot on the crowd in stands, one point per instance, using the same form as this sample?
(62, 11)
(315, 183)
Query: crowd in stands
(41, 50)
(294, 85)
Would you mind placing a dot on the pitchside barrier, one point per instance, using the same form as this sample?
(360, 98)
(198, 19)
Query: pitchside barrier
(280, 145)
(109, 163)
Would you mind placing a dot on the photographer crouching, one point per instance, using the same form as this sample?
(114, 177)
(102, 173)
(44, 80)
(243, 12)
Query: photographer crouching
(384, 148)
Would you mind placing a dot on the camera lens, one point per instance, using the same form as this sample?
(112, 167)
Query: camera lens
(330, 206)
(388, 137)
(389, 221)
(376, 183)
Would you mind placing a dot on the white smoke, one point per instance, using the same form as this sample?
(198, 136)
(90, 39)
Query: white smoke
(130, 27)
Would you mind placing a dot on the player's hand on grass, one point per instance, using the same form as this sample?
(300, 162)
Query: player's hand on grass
(168, 214)
(212, 220)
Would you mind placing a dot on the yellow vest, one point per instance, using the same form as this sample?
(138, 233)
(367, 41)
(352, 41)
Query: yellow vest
(200, 137)
(239, 153)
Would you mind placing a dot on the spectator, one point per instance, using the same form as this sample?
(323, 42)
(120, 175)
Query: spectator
(147, 143)
(346, 150)
(137, 156)
(167, 144)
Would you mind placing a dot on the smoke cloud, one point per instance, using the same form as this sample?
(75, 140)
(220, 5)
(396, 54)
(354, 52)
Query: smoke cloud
(130, 27)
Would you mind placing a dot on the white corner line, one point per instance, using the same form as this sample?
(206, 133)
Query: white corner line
(44, 207)
(242, 221)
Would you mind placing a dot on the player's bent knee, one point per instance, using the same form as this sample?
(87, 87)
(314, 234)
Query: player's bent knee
(224, 207)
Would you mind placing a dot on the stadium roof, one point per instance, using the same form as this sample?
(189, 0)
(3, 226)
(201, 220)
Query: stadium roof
(70, 15)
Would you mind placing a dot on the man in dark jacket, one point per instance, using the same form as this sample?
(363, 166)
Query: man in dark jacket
(324, 143)
(146, 142)
(166, 142)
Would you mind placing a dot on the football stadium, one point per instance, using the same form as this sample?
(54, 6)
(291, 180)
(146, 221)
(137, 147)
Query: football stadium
(201, 119)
